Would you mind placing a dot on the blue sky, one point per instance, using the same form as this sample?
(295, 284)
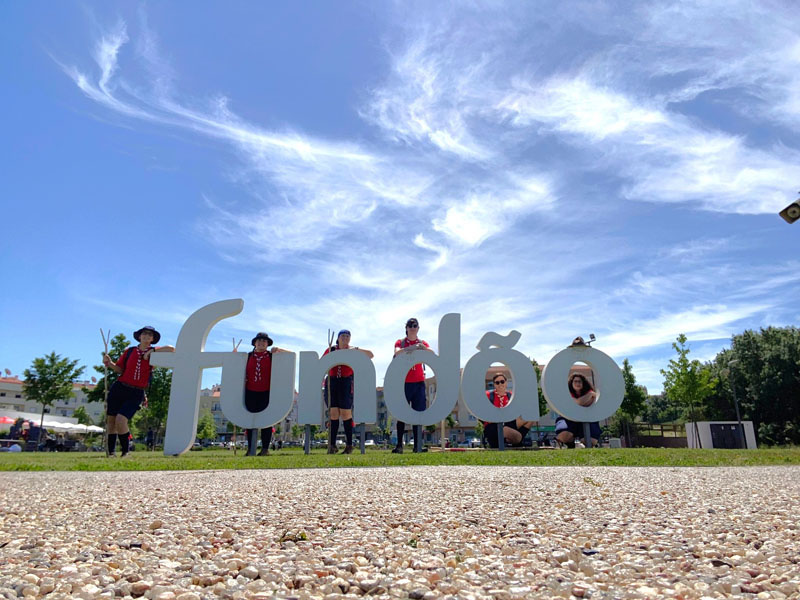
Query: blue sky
(597, 168)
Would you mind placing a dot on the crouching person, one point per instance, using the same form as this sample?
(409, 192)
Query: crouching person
(513, 431)
(127, 394)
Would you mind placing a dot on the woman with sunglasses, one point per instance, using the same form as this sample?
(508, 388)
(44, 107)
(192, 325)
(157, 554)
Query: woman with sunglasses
(513, 431)
(566, 431)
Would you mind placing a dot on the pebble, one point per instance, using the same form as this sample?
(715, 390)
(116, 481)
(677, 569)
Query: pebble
(426, 533)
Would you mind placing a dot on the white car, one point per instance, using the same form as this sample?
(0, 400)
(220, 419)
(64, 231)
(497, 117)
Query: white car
(369, 442)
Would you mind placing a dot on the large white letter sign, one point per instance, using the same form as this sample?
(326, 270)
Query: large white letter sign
(446, 367)
(187, 363)
(313, 369)
(494, 348)
(607, 377)
(281, 392)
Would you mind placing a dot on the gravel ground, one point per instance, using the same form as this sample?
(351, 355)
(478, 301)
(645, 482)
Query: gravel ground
(417, 532)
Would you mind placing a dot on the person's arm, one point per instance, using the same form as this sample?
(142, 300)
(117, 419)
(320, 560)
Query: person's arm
(274, 350)
(367, 352)
(164, 349)
(587, 399)
(111, 364)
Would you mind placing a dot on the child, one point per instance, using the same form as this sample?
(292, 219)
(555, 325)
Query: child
(127, 394)
(256, 392)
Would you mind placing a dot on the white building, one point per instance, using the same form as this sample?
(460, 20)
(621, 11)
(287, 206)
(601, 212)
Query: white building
(12, 399)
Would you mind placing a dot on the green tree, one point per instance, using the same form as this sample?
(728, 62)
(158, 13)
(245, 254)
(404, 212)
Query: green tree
(763, 369)
(633, 404)
(116, 347)
(297, 431)
(49, 379)
(544, 408)
(687, 383)
(479, 430)
(154, 415)
(206, 429)
(82, 416)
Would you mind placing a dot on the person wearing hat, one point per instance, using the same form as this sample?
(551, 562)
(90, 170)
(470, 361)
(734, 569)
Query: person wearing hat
(340, 392)
(127, 394)
(256, 389)
(415, 381)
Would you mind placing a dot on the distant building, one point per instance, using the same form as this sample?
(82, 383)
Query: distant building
(12, 398)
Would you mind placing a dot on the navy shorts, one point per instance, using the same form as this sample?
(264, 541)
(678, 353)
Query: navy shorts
(341, 389)
(576, 428)
(124, 400)
(415, 395)
(256, 401)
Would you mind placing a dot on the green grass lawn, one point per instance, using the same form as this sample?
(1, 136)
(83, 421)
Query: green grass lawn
(293, 458)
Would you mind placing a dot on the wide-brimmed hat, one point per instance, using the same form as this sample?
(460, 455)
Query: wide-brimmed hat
(262, 336)
(138, 334)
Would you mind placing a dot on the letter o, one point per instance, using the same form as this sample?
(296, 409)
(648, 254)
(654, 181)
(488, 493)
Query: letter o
(525, 398)
(608, 379)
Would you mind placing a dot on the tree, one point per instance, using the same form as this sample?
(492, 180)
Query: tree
(687, 383)
(82, 416)
(763, 368)
(116, 347)
(633, 404)
(544, 408)
(49, 379)
(206, 429)
(479, 430)
(297, 431)
(154, 415)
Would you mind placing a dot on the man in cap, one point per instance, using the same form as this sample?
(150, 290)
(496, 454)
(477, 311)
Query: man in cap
(340, 392)
(256, 392)
(127, 394)
(415, 382)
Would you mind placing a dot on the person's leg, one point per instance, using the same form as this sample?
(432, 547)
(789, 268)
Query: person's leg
(563, 433)
(415, 396)
(266, 438)
(121, 425)
(111, 428)
(346, 412)
(401, 431)
(512, 436)
(490, 432)
(252, 441)
(333, 430)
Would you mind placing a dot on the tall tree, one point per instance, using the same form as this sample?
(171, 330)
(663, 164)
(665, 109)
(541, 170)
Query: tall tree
(633, 404)
(762, 368)
(49, 379)
(206, 428)
(154, 416)
(82, 416)
(687, 383)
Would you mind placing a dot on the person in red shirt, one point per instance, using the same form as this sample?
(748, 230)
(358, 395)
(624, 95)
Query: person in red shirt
(256, 390)
(514, 431)
(339, 389)
(415, 381)
(127, 394)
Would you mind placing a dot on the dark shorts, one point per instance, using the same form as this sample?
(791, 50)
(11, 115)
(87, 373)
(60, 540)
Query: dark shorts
(490, 431)
(341, 389)
(415, 395)
(124, 400)
(576, 428)
(256, 401)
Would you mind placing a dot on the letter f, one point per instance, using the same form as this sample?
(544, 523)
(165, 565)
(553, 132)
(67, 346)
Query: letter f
(187, 364)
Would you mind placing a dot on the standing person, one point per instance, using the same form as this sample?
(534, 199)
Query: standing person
(127, 394)
(415, 380)
(566, 430)
(514, 431)
(340, 392)
(256, 390)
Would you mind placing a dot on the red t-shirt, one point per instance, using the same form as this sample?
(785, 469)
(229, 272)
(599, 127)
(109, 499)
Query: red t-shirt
(417, 372)
(498, 401)
(258, 371)
(135, 368)
(339, 370)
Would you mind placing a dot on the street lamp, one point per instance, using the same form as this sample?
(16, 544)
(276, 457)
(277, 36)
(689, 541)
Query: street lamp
(742, 438)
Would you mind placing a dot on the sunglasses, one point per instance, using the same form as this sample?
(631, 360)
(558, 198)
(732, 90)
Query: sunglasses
(412, 326)
(500, 382)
